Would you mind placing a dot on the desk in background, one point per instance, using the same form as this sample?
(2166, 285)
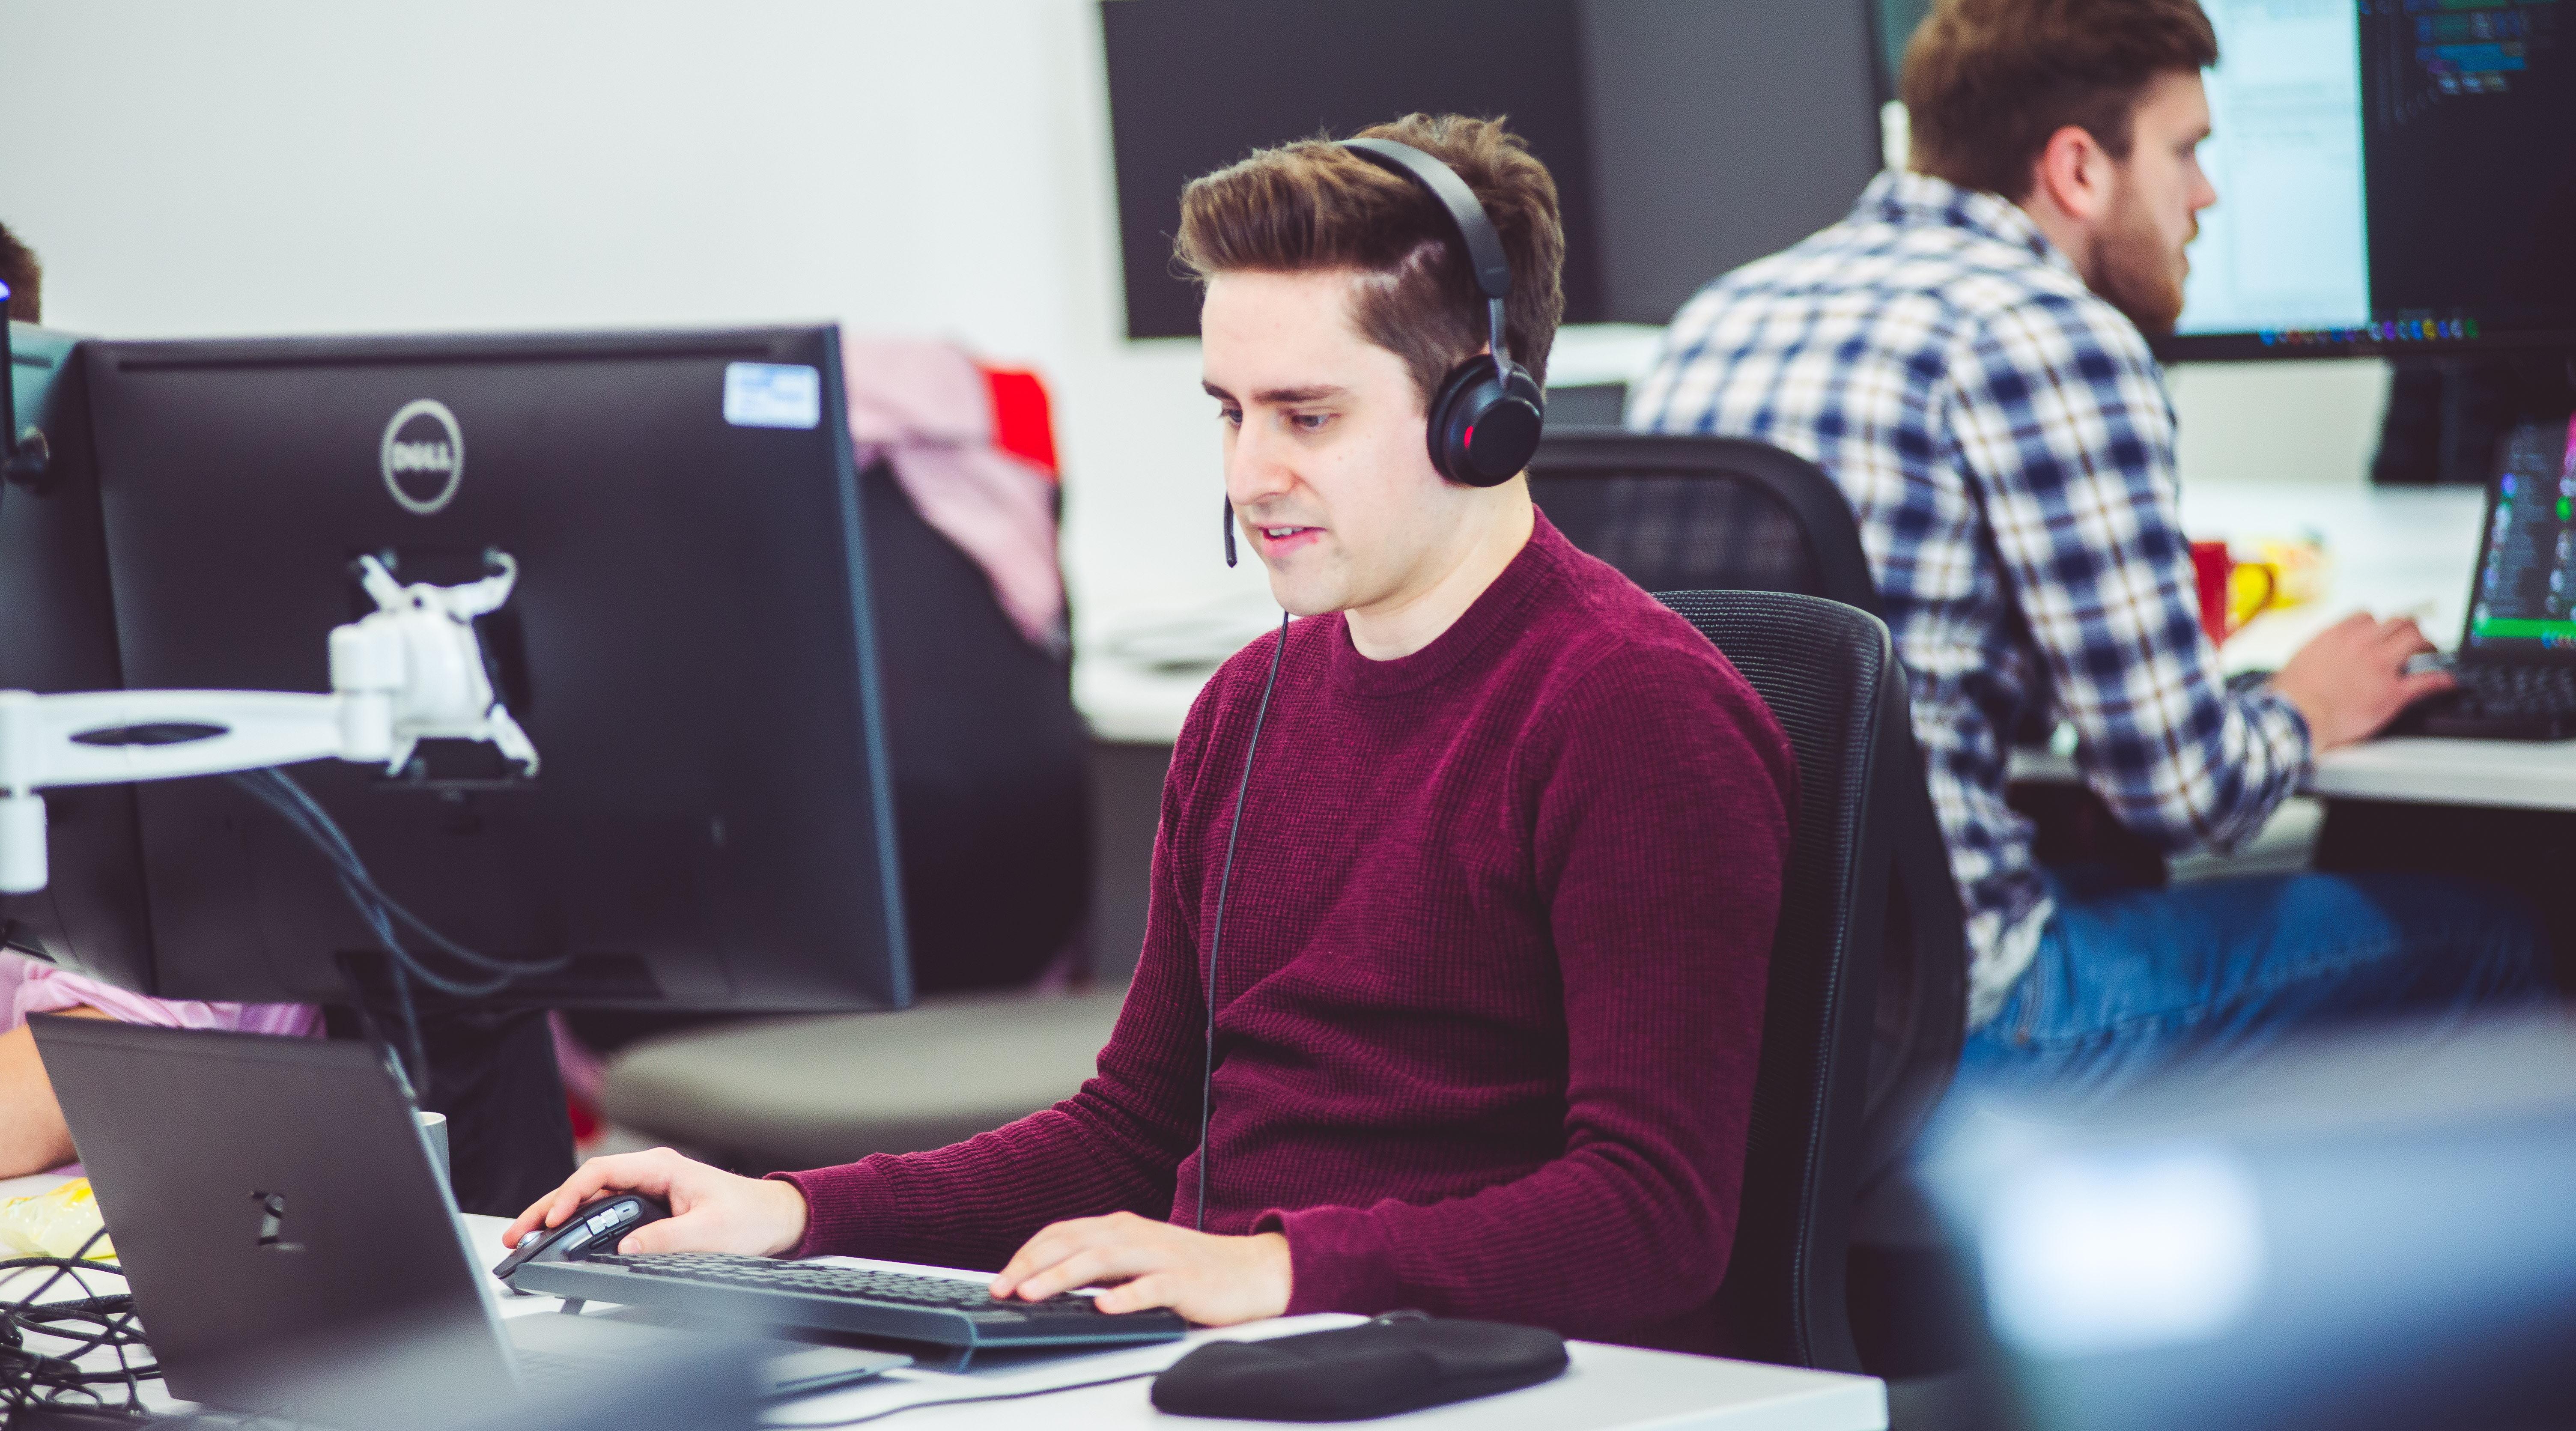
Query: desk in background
(2399, 551)
(2394, 552)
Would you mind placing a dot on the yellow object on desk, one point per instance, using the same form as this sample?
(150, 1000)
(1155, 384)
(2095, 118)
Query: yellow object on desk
(55, 1224)
(2281, 573)
(2300, 568)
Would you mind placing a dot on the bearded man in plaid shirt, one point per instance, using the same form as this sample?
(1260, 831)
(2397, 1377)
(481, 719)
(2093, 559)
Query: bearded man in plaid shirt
(1964, 355)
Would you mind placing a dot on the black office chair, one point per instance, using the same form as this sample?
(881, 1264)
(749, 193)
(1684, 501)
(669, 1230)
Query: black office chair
(1830, 677)
(1713, 513)
(992, 805)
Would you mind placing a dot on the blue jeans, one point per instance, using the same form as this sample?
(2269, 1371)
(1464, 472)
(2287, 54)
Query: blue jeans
(2131, 982)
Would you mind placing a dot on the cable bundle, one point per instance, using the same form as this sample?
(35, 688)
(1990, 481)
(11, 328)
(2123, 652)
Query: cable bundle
(384, 916)
(32, 1378)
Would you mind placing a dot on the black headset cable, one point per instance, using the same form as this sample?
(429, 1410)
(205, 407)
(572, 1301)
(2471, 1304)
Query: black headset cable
(1216, 931)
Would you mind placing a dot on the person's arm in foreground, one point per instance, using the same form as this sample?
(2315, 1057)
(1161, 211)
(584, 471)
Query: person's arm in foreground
(32, 1133)
(1111, 1146)
(1662, 832)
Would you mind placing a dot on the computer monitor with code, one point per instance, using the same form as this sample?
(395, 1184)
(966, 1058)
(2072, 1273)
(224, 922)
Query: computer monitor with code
(2525, 597)
(2391, 178)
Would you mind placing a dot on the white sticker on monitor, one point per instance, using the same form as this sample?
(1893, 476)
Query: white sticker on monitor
(773, 395)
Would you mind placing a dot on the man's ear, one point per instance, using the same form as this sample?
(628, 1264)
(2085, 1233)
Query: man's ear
(2074, 175)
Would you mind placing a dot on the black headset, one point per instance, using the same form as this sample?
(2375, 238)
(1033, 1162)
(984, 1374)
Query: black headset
(1486, 418)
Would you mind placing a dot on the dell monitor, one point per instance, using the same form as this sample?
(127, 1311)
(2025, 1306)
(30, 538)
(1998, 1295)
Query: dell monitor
(2392, 179)
(689, 646)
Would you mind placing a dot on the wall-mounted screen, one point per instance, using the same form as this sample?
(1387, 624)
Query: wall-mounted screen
(1686, 136)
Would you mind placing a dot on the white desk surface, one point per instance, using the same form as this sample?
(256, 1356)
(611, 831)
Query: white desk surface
(1606, 1386)
(2393, 551)
(30, 1185)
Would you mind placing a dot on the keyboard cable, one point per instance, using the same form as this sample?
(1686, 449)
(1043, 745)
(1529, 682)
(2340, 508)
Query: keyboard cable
(953, 1401)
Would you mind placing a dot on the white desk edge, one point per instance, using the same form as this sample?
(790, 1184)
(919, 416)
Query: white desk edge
(1604, 1386)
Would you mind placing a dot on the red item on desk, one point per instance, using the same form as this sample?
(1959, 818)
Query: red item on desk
(2213, 568)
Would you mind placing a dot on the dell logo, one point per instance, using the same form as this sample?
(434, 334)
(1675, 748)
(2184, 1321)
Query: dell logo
(272, 1223)
(423, 456)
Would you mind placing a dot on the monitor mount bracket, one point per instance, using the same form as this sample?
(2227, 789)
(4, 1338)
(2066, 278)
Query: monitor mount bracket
(412, 670)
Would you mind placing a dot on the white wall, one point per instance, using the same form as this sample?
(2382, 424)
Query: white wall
(941, 169)
(936, 169)
(2314, 420)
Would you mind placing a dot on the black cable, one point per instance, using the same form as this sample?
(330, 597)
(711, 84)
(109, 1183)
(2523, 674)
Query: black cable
(1216, 932)
(31, 1379)
(381, 913)
(952, 1401)
(1403, 1315)
(279, 791)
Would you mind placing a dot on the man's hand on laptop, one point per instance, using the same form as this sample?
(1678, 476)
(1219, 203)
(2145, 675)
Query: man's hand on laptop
(1214, 1281)
(711, 1210)
(2350, 680)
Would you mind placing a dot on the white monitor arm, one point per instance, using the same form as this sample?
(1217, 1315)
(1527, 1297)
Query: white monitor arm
(411, 671)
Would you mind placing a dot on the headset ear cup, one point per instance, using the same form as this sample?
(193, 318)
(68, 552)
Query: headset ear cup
(1483, 432)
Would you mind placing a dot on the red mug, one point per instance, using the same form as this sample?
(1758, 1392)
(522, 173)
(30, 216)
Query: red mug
(2214, 569)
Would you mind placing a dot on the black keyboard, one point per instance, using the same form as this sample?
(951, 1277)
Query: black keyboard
(897, 1305)
(2497, 701)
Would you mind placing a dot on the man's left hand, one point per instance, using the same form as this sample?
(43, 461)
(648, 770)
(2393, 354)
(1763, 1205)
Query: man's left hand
(1214, 1281)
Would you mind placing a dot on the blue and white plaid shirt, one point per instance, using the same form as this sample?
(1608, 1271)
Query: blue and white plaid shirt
(2007, 444)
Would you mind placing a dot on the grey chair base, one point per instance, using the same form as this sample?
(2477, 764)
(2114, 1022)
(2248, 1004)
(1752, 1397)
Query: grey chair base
(808, 1092)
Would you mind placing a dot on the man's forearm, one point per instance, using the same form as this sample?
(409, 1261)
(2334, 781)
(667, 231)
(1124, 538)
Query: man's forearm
(32, 1135)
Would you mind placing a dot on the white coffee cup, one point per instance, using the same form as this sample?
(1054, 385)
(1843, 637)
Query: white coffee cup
(433, 1126)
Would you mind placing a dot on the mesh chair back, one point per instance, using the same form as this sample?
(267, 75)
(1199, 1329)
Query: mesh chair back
(1702, 514)
(1830, 677)
(1715, 513)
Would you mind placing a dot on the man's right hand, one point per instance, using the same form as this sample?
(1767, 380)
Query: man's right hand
(2350, 680)
(711, 1210)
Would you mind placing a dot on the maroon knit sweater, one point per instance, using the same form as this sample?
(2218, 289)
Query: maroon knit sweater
(1490, 992)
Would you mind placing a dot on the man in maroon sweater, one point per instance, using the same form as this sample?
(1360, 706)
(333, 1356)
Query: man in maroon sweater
(1489, 990)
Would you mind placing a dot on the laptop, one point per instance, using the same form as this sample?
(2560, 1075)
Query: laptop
(2516, 661)
(275, 1207)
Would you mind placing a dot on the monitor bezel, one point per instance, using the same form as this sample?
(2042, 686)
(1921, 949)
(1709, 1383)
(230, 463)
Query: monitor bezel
(2295, 344)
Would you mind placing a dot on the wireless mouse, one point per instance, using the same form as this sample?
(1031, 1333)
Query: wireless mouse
(594, 1227)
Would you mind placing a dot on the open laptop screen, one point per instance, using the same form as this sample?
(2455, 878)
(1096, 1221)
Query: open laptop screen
(2523, 600)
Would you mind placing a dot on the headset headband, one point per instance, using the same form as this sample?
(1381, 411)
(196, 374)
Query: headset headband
(1484, 246)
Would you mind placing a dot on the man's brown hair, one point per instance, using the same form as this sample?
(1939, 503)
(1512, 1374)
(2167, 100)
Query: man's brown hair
(1986, 82)
(1314, 205)
(25, 277)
